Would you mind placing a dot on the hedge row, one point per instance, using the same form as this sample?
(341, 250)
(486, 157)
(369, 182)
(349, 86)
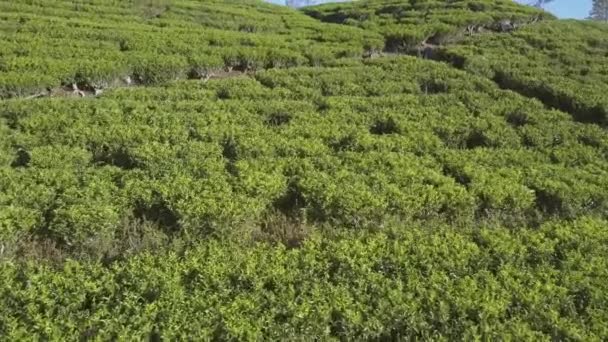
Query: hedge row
(415, 283)
(406, 24)
(561, 63)
(54, 43)
(353, 146)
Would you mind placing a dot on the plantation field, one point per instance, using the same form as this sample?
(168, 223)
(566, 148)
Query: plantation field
(52, 43)
(239, 170)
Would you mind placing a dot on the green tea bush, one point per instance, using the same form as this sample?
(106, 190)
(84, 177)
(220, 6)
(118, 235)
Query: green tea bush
(544, 62)
(201, 152)
(420, 283)
(151, 70)
(301, 184)
(406, 24)
(60, 43)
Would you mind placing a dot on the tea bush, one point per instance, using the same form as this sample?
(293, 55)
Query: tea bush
(416, 283)
(303, 183)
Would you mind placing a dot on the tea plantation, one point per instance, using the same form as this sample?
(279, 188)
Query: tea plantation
(235, 170)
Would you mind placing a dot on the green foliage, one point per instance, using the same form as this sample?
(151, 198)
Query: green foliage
(392, 138)
(311, 187)
(561, 63)
(431, 283)
(405, 24)
(157, 41)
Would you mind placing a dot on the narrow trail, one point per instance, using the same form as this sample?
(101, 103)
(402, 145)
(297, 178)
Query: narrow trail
(88, 91)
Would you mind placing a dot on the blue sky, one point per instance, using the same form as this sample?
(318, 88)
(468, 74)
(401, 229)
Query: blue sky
(578, 9)
(562, 8)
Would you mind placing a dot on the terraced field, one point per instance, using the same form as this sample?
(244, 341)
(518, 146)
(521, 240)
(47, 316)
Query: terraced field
(225, 170)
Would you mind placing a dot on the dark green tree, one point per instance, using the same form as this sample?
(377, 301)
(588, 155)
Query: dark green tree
(541, 3)
(299, 3)
(599, 11)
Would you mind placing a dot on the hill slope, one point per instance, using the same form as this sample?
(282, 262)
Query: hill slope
(237, 170)
(53, 43)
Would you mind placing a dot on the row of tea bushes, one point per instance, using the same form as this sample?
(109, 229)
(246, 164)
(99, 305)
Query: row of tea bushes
(314, 144)
(415, 283)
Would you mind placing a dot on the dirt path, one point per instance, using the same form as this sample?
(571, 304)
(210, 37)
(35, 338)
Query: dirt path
(87, 91)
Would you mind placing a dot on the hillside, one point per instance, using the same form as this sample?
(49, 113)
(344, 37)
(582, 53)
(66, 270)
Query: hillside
(53, 43)
(235, 170)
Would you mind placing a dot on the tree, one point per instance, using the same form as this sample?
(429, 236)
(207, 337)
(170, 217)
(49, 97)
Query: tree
(541, 3)
(599, 11)
(298, 3)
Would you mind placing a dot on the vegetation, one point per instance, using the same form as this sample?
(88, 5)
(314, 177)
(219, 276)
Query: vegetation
(405, 24)
(323, 185)
(599, 10)
(531, 284)
(58, 42)
(561, 63)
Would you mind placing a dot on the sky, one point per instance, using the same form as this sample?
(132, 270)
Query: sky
(578, 9)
